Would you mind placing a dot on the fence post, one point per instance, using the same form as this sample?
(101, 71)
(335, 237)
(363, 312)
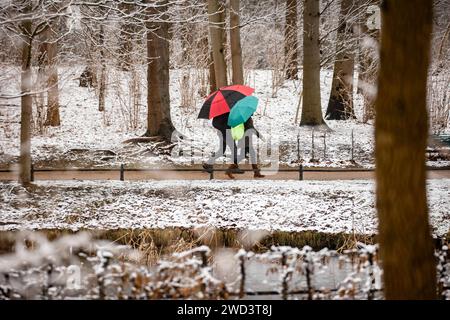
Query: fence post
(352, 146)
(242, 270)
(324, 145)
(32, 172)
(300, 172)
(211, 174)
(122, 169)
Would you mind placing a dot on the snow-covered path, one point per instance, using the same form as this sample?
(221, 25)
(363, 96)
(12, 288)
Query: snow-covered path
(326, 206)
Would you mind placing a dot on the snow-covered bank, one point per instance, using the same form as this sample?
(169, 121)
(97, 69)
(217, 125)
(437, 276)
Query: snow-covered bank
(326, 206)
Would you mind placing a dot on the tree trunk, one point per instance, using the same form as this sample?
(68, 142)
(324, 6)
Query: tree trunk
(102, 87)
(26, 106)
(158, 99)
(311, 110)
(340, 105)
(235, 41)
(212, 73)
(126, 38)
(401, 132)
(290, 40)
(367, 67)
(53, 118)
(216, 33)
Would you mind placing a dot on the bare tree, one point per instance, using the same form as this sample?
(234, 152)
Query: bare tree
(235, 41)
(26, 99)
(401, 132)
(368, 60)
(158, 99)
(216, 34)
(311, 110)
(51, 47)
(340, 105)
(290, 40)
(102, 84)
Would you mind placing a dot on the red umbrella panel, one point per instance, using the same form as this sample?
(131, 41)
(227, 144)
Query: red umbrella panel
(222, 100)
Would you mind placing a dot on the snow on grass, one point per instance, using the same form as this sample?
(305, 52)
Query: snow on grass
(338, 206)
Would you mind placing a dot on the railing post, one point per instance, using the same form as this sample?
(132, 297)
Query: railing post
(32, 172)
(353, 146)
(300, 172)
(122, 169)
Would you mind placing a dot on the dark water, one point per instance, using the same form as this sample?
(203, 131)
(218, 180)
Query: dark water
(264, 276)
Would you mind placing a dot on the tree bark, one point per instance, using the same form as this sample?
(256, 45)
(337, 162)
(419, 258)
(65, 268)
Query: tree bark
(290, 40)
(367, 68)
(401, 132)
(216, 34)
(340, 105)
(158, 99)
(311, 110)
(102, 85)
(53, 118)
(26, 105)
(235, 42)
(126, 37)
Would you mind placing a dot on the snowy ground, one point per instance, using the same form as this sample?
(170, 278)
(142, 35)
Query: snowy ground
(332, 206)
(90, 132)
(83, 127)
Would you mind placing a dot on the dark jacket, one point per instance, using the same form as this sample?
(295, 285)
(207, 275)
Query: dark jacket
(221, 124)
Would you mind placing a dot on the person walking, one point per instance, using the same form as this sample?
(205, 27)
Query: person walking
(246, 143)
(220, 124)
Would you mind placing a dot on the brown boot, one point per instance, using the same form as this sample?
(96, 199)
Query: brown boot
(257, 172)
(229, 171)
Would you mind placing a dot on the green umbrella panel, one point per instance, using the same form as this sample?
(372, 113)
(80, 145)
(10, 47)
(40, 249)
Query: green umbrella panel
(242, 111)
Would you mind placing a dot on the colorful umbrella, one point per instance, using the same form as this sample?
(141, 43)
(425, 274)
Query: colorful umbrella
(242, 111)
(222, 100)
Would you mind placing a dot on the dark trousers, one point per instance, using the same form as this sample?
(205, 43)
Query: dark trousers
(224, 142)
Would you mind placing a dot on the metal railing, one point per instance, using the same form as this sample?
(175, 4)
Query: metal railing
(300, 170)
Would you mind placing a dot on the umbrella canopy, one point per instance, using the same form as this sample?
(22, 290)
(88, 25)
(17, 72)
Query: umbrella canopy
(222, 100)
(242, 111)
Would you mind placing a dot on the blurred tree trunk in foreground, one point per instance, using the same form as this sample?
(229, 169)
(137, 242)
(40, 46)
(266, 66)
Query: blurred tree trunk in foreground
(290, 40)
(158, 99)
(235, 43)
(216, 32)
(401, 132)
(311, 110)
(340, 105)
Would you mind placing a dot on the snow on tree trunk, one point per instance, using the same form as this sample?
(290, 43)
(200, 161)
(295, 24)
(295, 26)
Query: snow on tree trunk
(401, 132)
(235, 42)
(290, 40)
(311, 110)
(340, 105)
(216, 34)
